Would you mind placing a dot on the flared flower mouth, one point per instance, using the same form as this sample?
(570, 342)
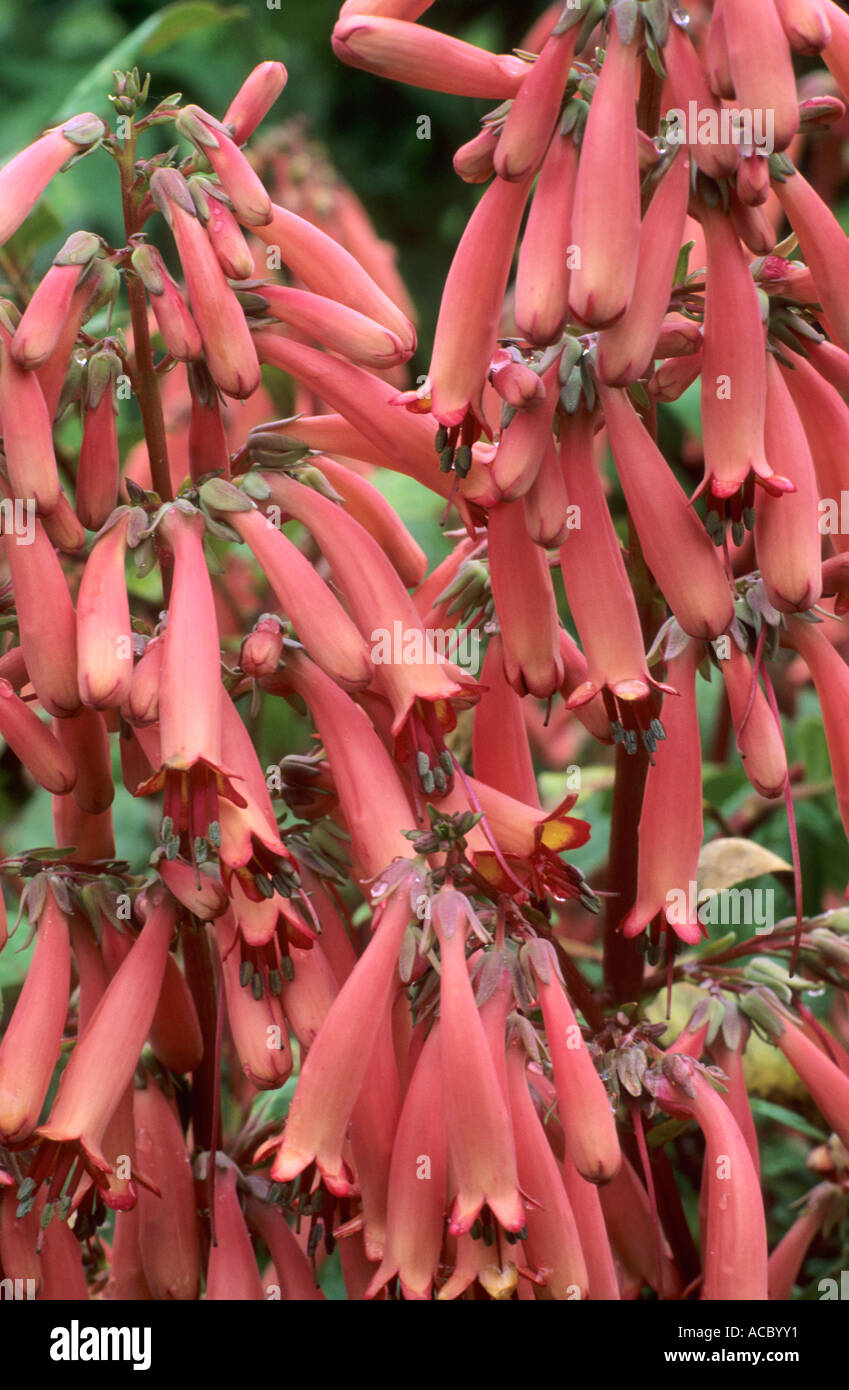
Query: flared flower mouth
(541, 871)
(632, 706)
(190, 807)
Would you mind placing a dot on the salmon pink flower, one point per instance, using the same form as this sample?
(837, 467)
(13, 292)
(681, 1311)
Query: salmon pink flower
(422, 57)
(29, 738)
(527, 612)
(788, 541)
(601, 601)
(225, 234)
(367, 505)
(472, 300)
(825, 247)
(257, 1024)
(104, 635)
(759, 739)
(27, 428)
(673, 540)
(24, 178)
(588, 1123)
(46, 621)
(536, 106)
(179, 330)
(169, 1244)
(336, 1064)
(761, 65)
(422, 691)
(688, 84)
(415, 1209)
(501, 752)
(191, 769)
(99, 463)
(30, 1047)
(232, 1275)
(671, 825)
(46, 313)
(523, 445)
(825, 419)
(830, 675)
(227, 343)
(335, 326)
(606, 211)
(553, 1248)
(626, 350)
(543, 270)
(481, 1151)
(735, 1250)
(823, 1207)
(376, 819)
(104, 1059)
(238, 179)
(254, 100)
(806, 24)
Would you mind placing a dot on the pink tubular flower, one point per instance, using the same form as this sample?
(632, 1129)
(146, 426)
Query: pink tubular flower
(335, 326)
(406, 440)
(423, 57)
(626, 350)
(257, 1025)
(501, 753)
(688, 83)
(472, 301)
(239, 181)
(671, 824)
(85, 739)
(320, 621)
(474, 162)
(367, 505)
(226, 236)
(546, 503)
(628, 1218)
(606, 213)
(759, 739)
(190, 691)
(104, 1059)
(830, 675)
(30, 1047)
(595, 1242)
(41, 322)
(678, 550)
(46, 621)
(24, 178)
(761, 64)
(336, 1064)
(169, 1243)
(179, 330)
(788, 542)
(823, 1208)
(522, 446)
(389, 9)
(308, 998)
(374, 1123)
(735, 1250)
(734, 366)
(27, 429)
(585, 1113)
(30, 739)
(254, 100)
(553, 1248)
(232, 1275)
(515, 382)
(730, 1060)
(415, 1208)
(601, 600)
(422, 691)
(535, 109)
(542, 275)
(372, 798)
(825, 247)
(227, 342)
(825, 419)
(806, 24)
(527, 612)
(328, 269)
(481, 1151)
(99, 463)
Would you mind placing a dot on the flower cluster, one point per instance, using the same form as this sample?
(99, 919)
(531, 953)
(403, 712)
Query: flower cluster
(387, 927)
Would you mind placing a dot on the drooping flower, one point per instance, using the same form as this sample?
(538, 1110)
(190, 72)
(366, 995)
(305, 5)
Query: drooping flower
(788, 541)
(99, 462)
(336, 1064)
(30, 1047)
(759, 738)
(27, 428)
(761, 64)
(825, 247)
(24, 178)
(536, 106)
(527, 612)
(173, 319)
(254, 100)
(671, 824)
(227, 342)
(46, 620)
(601, 600)
(606, 210)
(543, 270)
(46, 313)
(169, 1243)
(422, 57)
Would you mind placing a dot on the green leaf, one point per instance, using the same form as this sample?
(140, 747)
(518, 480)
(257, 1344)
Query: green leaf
(782, 1116)
(160, 30)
